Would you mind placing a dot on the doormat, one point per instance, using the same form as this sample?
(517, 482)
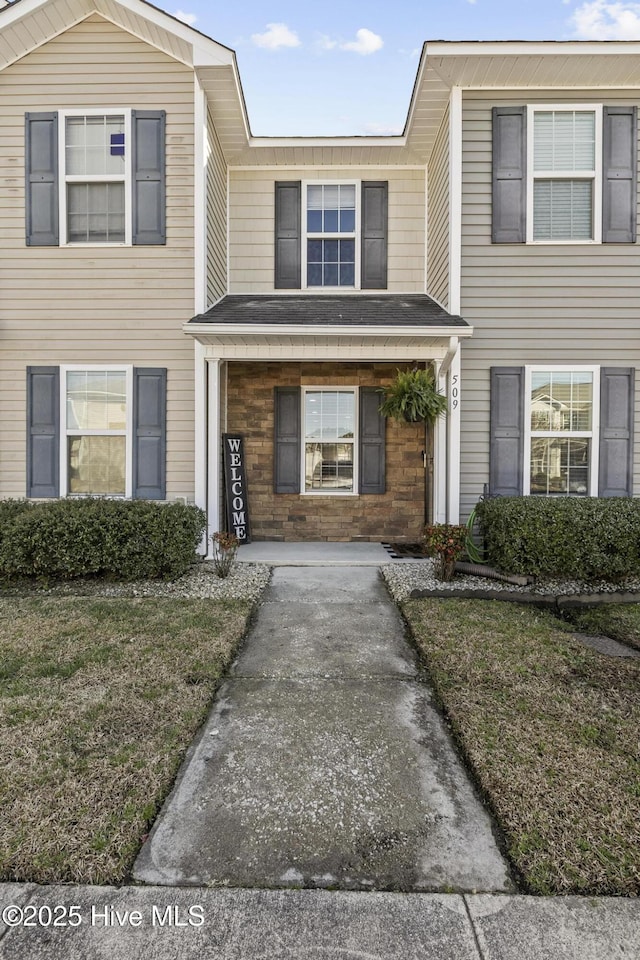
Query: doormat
(405, 551)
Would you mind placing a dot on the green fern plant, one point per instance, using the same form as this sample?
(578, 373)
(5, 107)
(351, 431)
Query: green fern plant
(413, 396)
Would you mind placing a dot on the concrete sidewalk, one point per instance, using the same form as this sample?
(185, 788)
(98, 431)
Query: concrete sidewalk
(201, 924)
(324, 762)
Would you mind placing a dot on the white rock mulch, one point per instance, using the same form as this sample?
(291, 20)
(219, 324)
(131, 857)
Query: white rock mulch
(246, 581)
(407, 575)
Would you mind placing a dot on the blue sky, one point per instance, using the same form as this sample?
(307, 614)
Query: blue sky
(341, 68)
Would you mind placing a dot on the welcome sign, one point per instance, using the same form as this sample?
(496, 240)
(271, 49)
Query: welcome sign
(236, 487)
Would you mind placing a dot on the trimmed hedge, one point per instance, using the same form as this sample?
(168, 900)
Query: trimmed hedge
(118, 539)
(576, 537)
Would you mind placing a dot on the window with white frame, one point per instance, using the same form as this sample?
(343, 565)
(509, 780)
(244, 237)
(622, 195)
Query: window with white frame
(97, 431)
(565, 174)
(562, 431)
(95, 164)
(331, 227)
(329, 448)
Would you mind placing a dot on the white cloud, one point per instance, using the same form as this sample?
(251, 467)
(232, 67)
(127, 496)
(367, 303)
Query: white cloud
(382, 130)
(598, 20)
(276, 35)
(324, 42)
(188, 18)
(366, 42)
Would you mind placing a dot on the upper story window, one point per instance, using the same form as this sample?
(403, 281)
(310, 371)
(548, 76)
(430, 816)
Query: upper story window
(564, 174)
(95, 198)
(331, 236)
(95, 177)
(564, 187)
(331, 217)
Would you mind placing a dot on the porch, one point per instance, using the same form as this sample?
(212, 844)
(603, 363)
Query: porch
(250, 351)
(313, 553)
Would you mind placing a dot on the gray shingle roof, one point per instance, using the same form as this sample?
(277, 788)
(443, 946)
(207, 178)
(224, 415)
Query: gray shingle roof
(401, 310)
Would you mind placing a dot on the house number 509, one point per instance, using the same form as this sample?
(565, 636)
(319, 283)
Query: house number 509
(455, 391)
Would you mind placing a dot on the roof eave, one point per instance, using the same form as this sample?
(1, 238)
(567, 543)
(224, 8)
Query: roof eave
(194, 328)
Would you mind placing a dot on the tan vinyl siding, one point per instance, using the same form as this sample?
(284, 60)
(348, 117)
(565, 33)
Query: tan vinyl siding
(252, 224)
(438, 217)
(216, 217)
(552, 303)
(97, 304)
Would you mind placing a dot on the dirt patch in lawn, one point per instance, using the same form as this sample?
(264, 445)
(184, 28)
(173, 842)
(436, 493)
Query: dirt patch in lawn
(550, 730)
(99, 699)
(618, 621)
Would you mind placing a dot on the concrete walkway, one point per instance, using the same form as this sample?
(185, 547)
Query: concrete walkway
(324, 762)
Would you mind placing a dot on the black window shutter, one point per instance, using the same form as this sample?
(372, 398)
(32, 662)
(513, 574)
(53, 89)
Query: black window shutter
(287, 439)
(43, 431)
(619, 178)
(509, 190)
(149, 433)
(41, 174)
(288, 219)
(149, 190)
(617, 393)
(506, 448)
(372, 442)
(374, 228)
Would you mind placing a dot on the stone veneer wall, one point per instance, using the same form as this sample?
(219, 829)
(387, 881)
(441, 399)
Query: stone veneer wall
(396, 515)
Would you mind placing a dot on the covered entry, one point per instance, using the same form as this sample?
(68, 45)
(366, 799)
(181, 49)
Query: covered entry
(300, 377)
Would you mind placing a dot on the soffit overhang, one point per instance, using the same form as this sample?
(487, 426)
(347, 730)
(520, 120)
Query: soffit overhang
(583, 66)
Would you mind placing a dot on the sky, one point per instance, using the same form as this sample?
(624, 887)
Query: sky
(348, 68)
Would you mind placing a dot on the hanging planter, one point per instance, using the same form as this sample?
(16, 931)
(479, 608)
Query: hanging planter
(413, 396)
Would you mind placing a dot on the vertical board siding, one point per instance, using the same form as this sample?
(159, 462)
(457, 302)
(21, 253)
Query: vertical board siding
(534, 304)
(251, 217)
(97, 304)
(216, 216)
(438, 217)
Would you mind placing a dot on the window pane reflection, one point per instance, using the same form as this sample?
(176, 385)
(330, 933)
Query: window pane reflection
(561, 400)
(96, 400)
(96, 465)
(560, 465)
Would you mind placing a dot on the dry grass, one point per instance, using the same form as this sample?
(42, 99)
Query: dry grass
(620, 621)
(99, 699)
(551, 730)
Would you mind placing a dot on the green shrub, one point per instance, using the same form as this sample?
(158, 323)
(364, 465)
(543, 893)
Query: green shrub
(120, 539)
(9, 510)
(576, 537)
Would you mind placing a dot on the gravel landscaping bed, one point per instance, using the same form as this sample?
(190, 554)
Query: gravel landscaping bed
(245, 582)
(407, 576)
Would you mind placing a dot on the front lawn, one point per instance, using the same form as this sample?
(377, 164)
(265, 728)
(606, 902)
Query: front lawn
(551, 730)
(620, 621)
(99, 699)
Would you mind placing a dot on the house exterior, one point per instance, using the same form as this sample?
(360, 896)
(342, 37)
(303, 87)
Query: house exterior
(167, 279)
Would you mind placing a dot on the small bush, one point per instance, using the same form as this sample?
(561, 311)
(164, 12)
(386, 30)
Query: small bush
(584, 538)
(447, 541)
(121, 539)
(225, 546)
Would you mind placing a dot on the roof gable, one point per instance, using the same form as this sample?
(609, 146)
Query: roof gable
(27, 24)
